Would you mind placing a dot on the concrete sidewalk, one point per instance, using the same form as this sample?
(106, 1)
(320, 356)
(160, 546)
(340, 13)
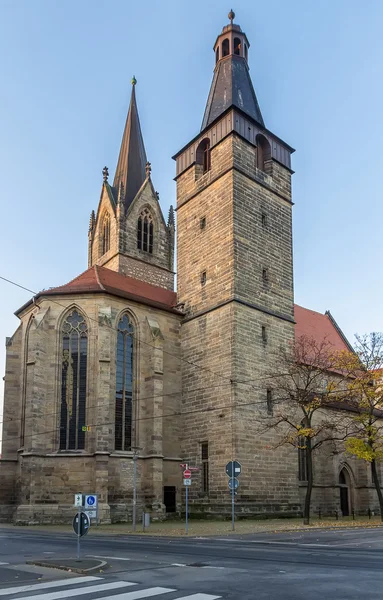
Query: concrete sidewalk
(206, 528)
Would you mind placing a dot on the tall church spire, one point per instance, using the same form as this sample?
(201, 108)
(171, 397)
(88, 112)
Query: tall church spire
(132, 159)
(231, 84)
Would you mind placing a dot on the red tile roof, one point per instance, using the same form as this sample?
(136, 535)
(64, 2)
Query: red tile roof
(101, 280)
(320, 327)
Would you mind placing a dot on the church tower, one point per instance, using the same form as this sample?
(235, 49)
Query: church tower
(235, 282)
(129, 233)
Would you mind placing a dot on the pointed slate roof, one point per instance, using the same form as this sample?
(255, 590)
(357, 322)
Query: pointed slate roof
(231, 86)
(130, 169)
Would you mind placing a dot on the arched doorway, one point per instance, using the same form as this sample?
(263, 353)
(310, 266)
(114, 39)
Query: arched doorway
(345, 492)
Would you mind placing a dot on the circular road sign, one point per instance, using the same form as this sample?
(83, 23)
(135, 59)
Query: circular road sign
(187, 474)
(233, 484)
(90, 500)
(81, 524)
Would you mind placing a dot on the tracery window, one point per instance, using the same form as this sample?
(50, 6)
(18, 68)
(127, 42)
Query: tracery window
(124, 385)
(106, 234)
(145, 231)
(74, 353)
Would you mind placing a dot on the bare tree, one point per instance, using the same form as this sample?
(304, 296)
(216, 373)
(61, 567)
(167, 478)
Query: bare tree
(307, 410)
(365, 395)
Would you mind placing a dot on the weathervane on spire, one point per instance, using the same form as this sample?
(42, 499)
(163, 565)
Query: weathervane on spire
(231, 16)
(148, 169)
(134, 80)
(105, 173)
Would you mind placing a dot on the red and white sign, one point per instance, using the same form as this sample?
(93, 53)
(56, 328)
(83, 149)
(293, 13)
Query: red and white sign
(187, 474)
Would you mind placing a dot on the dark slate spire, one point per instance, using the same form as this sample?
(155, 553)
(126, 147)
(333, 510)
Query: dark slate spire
(231, 85)
(132, 159)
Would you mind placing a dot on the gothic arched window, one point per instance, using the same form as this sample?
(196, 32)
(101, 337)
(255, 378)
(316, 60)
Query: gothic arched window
(263, 151)
(237, 46)
(124, 385)
(203, 155)
(225, 47)
(106, 234)
(74, 353)
(145, 232)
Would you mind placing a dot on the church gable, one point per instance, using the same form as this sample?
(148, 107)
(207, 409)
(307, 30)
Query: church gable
(103, 235)
(146, 234)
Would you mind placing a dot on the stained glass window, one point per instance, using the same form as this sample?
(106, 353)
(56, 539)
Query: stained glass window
(74, 351)
(124, 385)
(145, 232)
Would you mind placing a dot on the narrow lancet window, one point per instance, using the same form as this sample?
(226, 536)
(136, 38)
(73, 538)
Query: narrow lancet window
(124, 385)
(106, 234)
(203, 155)
(145, 232)
(225, 47)
(74, 353)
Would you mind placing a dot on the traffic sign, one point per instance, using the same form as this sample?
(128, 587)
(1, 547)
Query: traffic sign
(237, 468)
(91, 501)
(187, 481)
(187, 474)
(233, 483)
(81, 524)
(78, 499)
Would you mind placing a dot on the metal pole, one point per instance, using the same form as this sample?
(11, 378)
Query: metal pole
(187, 510)
(232, 497)
(78, 534)
(134, 489)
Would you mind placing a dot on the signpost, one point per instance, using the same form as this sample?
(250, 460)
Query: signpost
(187, 473)
(91, 506)
(233, 470)
(81, 524)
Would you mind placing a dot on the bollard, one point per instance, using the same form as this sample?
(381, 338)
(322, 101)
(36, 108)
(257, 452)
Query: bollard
(353, 515)
(369, 513)
(319, 514)
(336, 515)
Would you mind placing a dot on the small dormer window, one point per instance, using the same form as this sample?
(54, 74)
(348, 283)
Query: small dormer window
(237, 46)
(225, 48)
(145, 232)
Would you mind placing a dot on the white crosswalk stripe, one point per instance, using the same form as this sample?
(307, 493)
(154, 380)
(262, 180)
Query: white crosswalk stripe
(99, 585)
(49, 584)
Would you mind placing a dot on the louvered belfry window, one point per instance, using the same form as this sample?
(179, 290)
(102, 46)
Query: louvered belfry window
(124, 385)
(145, 232)
(74, 354)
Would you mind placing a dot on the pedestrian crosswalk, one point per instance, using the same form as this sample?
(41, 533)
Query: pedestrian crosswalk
(94, 587)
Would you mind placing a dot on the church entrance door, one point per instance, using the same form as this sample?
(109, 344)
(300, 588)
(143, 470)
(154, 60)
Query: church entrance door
(344, 489)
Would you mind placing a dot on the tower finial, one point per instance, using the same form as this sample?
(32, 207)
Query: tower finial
(134, 80)
(148, 169)
(105, 173)
(231, 16)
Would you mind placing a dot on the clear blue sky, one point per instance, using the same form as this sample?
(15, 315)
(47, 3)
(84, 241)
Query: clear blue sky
(65, 76)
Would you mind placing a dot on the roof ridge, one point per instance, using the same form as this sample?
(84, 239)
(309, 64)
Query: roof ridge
(98, 277)
(70, 281)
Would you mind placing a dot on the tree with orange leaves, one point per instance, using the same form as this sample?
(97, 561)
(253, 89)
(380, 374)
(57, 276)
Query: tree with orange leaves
(365, 397)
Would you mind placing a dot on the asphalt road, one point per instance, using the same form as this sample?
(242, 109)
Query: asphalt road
(330, 565)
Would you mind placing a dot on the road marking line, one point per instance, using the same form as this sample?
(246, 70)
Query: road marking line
(109, 557)
(156, 591)
(93, 589)
(47, 584)
(212, 567)
(1, 563)
(177, 565)
(199, 597)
